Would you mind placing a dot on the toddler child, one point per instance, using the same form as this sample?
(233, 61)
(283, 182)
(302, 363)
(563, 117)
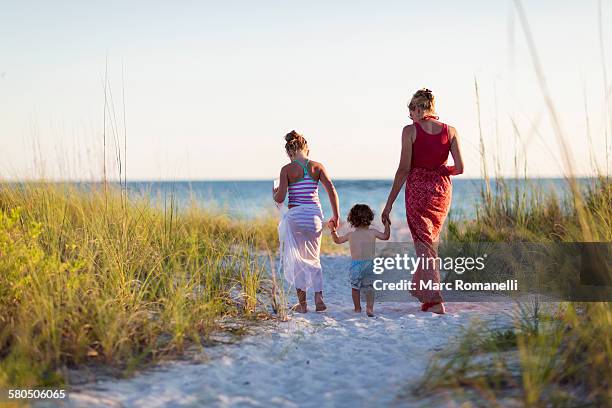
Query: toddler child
(362, 245)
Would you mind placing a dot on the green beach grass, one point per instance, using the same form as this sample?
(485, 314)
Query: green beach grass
(95, 278)
(91, 277)
(553, 356)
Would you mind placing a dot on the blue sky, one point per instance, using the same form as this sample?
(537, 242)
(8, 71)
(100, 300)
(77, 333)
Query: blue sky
(211, 87)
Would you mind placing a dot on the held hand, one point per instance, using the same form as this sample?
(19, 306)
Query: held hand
(385, 216)
(333, 223)
(331, 226)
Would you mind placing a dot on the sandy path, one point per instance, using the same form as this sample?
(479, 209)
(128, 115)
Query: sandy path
(337, 358)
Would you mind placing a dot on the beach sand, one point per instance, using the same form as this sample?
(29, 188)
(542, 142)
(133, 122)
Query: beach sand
(337, 358)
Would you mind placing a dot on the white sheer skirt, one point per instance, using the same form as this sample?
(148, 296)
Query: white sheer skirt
(299, 232)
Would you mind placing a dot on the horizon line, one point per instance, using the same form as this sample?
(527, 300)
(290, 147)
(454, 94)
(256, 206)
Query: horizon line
(208, 180)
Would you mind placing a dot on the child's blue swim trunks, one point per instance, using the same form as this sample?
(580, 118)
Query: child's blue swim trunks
(360, 273)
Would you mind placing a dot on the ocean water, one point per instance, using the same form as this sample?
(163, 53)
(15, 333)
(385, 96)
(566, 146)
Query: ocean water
(249, 199)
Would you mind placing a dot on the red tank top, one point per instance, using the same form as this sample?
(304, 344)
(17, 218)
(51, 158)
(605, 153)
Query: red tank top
(430, 150)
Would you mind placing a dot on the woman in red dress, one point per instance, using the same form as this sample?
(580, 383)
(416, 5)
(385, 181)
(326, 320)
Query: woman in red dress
(425, 148)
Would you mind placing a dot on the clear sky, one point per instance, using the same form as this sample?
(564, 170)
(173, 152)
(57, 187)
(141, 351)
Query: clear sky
(212, 87)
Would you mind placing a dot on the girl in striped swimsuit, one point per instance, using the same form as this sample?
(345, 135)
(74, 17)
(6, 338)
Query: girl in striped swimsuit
(301, 226)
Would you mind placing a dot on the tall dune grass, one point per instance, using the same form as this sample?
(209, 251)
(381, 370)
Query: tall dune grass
(558, 355)
(96, 278)
(555, 354)
(528, 213)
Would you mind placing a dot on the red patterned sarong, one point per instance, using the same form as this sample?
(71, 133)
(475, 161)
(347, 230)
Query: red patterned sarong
(428, 198)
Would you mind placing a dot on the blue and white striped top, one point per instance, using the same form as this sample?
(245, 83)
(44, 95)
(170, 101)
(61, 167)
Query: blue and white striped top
(305, 190)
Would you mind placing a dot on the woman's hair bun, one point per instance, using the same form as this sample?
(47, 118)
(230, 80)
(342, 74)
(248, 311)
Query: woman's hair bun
(427, 93)
(424, 99)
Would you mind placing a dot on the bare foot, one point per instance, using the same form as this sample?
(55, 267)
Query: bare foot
(302, 305)
(357, 310)
(299, 308)
(438, 308)
(370, 312)
(319, 304)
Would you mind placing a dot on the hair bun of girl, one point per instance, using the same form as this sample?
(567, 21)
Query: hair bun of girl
(295, 142)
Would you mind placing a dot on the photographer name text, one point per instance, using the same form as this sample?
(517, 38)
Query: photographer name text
(457, 285)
